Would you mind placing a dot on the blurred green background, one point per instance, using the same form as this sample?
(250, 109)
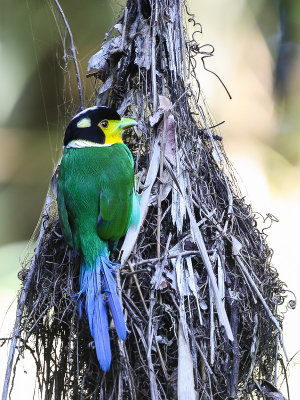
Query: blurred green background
(38, 96)
(257, 55)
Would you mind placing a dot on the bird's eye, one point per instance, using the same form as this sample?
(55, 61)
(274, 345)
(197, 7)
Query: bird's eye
(104, 124)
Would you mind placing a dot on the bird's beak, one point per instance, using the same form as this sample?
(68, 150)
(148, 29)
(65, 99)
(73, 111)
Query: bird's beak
(127, 123)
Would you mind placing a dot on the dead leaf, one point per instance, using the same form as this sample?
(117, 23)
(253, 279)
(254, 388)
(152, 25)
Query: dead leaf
(164, 106)
(155, 118)
(99, 61)
(236, 245)
(164, 103)
(170, 140)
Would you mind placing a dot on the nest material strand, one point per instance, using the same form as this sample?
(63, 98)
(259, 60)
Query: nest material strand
(199, 292)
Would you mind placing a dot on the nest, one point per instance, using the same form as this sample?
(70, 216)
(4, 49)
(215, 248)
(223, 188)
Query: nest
(199, 292)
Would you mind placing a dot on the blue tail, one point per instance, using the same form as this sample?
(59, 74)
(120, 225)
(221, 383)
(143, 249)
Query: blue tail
(97, 283)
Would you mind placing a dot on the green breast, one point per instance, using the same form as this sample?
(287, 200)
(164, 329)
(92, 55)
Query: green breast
(95, 191)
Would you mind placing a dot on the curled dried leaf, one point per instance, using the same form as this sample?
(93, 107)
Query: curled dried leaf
(236, 245)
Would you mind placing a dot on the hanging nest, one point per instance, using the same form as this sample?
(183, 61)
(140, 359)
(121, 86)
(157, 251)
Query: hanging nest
(199, 292)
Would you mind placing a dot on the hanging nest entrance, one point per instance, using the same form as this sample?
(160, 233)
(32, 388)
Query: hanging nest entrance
(199, 292)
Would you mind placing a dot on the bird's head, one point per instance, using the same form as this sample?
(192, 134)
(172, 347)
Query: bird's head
(97, 125)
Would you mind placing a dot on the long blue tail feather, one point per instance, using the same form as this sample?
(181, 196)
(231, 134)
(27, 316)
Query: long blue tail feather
(94, 282)
(113, 299)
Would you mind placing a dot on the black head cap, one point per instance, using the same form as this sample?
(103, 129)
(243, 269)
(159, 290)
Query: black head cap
(92, 132)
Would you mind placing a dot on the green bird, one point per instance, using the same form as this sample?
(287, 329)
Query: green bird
(96, 204)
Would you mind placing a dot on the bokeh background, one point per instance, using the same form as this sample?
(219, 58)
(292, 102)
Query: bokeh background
(257, 55)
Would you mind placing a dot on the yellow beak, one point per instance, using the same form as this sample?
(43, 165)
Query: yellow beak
(127, 123)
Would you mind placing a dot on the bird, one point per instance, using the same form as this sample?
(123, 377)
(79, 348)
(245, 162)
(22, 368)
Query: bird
(96, 205)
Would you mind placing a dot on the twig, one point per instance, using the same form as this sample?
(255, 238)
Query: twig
(150, 333)
(162, 266)
(124, 27)
(161, 170)
(211, 326)
(276, 362)
(153, 55)
(163, 365)
(73, 50)
(138, 287)
(230, 204)
(234, 375)
(182, 38)
(204, 359)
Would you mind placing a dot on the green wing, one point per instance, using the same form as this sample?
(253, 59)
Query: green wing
(64, 220)
(116, 199)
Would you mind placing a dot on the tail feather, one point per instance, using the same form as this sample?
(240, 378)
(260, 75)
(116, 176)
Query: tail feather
(113, 299)
(99, 329)
(94, 282)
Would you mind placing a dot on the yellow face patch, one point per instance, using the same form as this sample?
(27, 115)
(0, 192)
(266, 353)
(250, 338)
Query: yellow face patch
(112, 130)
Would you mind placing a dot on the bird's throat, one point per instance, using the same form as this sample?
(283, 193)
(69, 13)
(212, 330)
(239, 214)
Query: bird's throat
(113, 138)
(81, 143)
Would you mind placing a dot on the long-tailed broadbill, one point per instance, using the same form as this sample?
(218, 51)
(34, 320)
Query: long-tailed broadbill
(97, 203)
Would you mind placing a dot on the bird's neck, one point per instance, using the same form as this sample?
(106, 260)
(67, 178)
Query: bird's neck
(81, 143)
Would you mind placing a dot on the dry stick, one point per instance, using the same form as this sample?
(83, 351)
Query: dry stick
(212, 325)
(23, 296)
(153, 56)
(156, 287)
(152, 377)
(138, 287)
(276, 361)
(73, 50)
(163, 365)
(162, 265)
(204, 359)
(182, 38)
(253, 349)
(185, 381)
(124, 27)
(161, 168)
(234, 375)
(120, 387)
(230, 204)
